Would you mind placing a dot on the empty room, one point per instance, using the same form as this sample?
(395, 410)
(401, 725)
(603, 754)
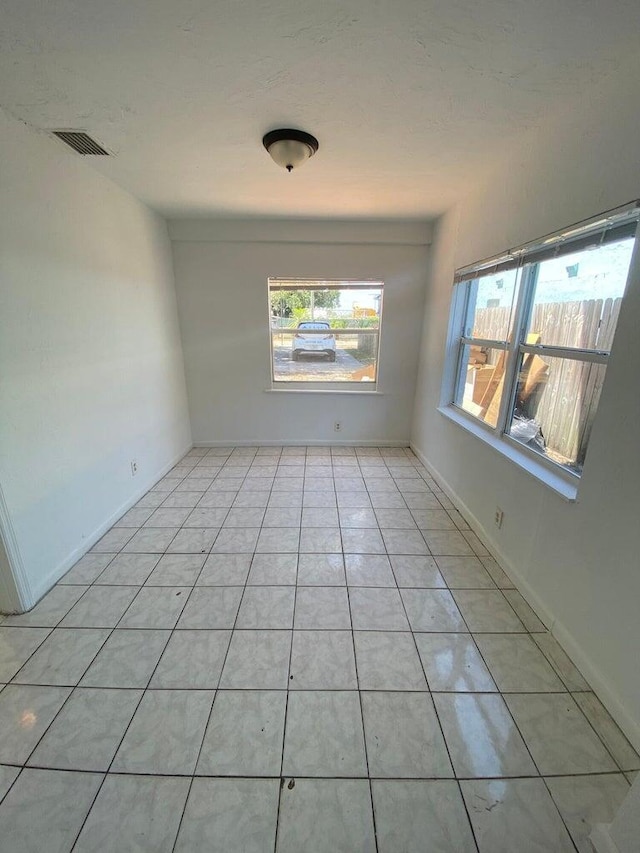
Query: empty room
(319, 427)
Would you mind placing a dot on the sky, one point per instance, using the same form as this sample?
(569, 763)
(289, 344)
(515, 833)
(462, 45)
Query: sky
(359, 298)
(602, 274)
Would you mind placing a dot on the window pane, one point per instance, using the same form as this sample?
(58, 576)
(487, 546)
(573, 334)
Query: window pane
(481, 382)
(490, 306)
(577, 297)
(325, 334)
(556, 403)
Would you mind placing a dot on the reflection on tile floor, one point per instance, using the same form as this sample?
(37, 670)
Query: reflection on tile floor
(297, 649)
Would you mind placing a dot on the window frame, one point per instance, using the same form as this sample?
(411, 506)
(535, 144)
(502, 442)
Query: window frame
(343, 386)
(613, 225)
(505, 346)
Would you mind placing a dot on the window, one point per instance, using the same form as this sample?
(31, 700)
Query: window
(325, 332)
(530, 337)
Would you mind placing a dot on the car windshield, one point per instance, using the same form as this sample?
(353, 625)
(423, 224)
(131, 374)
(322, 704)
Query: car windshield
(312, 325)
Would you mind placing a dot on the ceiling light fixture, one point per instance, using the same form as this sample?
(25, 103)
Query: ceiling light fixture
(290, 148)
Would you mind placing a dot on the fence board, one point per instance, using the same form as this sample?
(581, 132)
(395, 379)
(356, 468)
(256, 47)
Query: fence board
(566, 406)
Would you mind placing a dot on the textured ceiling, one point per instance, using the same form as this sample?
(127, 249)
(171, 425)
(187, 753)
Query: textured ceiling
(411, 100)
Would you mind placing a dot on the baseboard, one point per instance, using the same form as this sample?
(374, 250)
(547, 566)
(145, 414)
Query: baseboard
(598, 683)
(279, 443)
(600, 686)
(54, 576)
(16, 589)
(529, 594)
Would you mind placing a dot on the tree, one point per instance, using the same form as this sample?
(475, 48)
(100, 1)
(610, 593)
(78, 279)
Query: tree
(281, 300)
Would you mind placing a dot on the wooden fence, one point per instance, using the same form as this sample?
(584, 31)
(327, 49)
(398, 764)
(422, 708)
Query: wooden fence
(567, 403)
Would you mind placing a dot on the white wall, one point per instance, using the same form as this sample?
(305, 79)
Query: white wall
(221, 271)
(90, 358)
(579, 563)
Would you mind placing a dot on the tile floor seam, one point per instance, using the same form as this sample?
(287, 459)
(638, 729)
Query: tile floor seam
(233, 629)
(560, 815)
(73, 689)
(364, 734)
(142, 695)
(20, 768)
(473, 693)
(286, 707)
(435, 692)
(369, 479)
(128, 726)
(509, 712)
(596, 732)
(373, 776)
(437, 716)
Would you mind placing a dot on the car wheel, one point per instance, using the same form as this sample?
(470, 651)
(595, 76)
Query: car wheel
(295, 356)
(332, 356)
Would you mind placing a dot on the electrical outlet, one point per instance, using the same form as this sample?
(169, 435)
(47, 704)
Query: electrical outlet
(498, 517)
(337, 426)
(134, 467)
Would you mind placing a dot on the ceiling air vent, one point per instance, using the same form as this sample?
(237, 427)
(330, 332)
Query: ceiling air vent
(80, 142)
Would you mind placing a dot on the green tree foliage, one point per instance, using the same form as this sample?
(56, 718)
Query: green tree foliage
(299, 300)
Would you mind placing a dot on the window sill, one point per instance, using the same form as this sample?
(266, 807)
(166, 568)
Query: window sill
(567, 489)
(352, 391)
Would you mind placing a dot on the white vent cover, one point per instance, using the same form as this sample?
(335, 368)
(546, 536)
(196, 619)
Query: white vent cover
(80, 142)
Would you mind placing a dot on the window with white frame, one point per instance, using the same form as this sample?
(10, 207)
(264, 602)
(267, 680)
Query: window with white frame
(531, 333)
(325, 333)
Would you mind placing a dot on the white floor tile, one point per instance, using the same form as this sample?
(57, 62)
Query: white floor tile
(209, 634)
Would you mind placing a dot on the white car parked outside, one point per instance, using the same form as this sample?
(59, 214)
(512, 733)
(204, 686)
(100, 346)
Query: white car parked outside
(313, 337)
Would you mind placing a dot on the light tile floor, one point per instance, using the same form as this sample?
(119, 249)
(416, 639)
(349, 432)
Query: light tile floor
(297, 649)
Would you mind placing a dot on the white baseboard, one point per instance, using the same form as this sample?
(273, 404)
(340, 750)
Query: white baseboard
(16, 589)
(597, 681)
(280, 443)
(599, 684)
(55, 574)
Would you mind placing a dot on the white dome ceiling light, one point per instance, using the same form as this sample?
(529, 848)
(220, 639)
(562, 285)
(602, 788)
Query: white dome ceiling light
(290, 148)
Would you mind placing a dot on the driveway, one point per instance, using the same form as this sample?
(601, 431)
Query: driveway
(314, 366)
